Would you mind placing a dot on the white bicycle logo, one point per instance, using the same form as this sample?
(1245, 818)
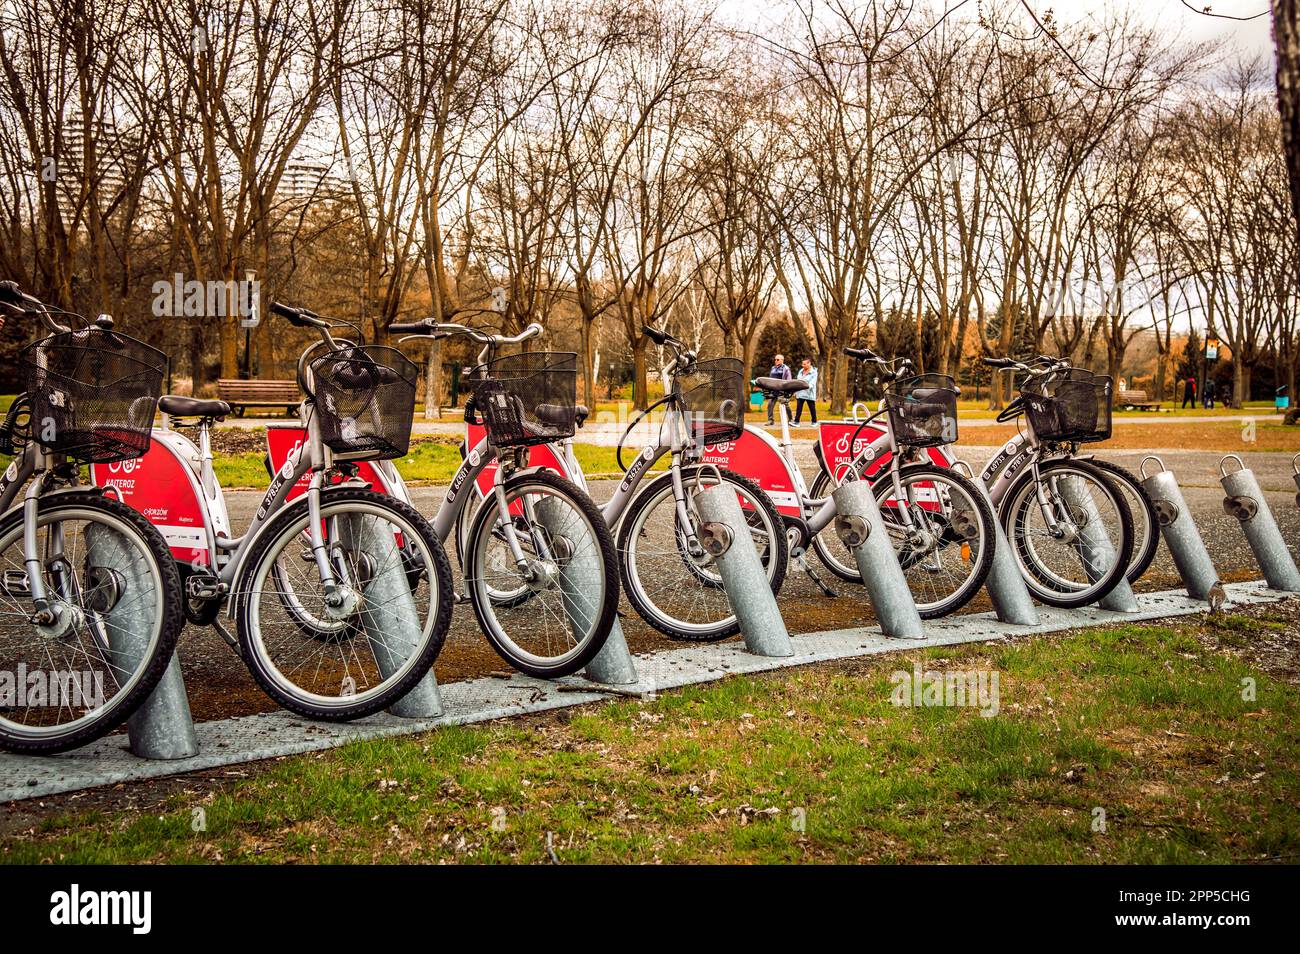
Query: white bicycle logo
(124, 466)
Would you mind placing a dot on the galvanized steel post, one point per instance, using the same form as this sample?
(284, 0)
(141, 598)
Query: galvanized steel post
(391, 619)
(1179, 531)
(1245, 501)
(579, 573)
(725, 535)
(162, 727)
(859, 524)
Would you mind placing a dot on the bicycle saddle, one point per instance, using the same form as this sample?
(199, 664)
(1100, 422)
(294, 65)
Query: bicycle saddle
(781, 385)
(363, 373)
(177, 406)
(558, 415)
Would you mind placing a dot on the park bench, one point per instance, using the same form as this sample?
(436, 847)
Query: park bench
(1137, 401)
(241, 394)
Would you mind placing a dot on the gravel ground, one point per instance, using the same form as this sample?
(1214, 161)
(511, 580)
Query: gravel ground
(220, 686)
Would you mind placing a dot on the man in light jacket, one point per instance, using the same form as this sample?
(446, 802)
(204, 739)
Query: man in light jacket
(779, 370)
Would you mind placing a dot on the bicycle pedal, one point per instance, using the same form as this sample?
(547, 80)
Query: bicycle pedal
(460, 599)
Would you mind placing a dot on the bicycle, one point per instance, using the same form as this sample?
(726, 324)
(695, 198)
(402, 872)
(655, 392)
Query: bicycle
(342, 597)
(941, 526)
(1047, 496)
(537, 558)
(669, 578)
(1016, 452)
(91, 610)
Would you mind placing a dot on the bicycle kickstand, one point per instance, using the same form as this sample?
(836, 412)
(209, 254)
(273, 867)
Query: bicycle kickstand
(806, 566)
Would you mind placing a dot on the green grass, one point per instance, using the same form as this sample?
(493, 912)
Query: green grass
(1144, 722)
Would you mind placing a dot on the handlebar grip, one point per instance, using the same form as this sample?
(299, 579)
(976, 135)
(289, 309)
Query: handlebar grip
(471, 413)
(409, 328)
(999, 362)
(9, 294)
(298, 317)
(655, 335)
(862, 354)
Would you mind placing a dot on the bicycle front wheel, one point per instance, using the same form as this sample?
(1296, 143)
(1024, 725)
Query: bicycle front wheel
(358, 649)
(943, 533)
(548, 608)
(78, 671)
(1070, 531)
(677, 591)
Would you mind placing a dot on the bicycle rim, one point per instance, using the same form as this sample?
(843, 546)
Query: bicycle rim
(80, 678)
(565, 594)
(377, 643)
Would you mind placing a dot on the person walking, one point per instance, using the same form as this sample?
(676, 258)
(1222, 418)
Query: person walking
(779, 370)
(808, 375)
(1189, 392)
(1209, 394)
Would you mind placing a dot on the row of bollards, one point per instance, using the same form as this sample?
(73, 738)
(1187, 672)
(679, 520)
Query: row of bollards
(162, 727)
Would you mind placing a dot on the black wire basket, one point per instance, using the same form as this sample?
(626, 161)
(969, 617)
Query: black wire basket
(714, 393)
(923, 410)
(1069, 406)
(528, 398)
(93, 394)
(365, 401)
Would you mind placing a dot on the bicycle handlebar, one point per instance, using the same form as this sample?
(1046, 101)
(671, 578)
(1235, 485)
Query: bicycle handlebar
(15, 299)
(894, 369)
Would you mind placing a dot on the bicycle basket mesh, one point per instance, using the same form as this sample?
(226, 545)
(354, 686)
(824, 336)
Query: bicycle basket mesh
(923, 410)
(1069, 406)
(365, 401)
(714, 394)
(528, 398)
(93, 393)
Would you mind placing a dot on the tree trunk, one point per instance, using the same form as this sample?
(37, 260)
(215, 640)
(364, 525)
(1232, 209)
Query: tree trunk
(639, 383)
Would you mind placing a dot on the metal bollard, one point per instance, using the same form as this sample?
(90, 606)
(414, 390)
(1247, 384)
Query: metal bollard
(726, 536)
(390, 619)
(1179, 530)
(613, 665)
(1096, 548)
(860, 526)
(162, 727)
(1006, 587)
(1245, 501)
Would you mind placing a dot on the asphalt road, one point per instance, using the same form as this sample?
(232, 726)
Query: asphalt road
(219, 686)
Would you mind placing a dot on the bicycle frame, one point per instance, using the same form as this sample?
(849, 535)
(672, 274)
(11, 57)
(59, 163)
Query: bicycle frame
(210, 547)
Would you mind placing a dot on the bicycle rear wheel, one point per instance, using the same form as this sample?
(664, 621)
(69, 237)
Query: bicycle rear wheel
(387, 622)
(551, 615)
(116, 593)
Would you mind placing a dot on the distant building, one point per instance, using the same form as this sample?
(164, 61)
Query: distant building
(307, 181)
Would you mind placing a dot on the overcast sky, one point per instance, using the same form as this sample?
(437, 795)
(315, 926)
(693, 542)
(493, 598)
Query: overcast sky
(1254, 36)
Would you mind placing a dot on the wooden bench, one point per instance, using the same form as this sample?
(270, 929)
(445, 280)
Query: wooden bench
(1137, 401)
(241, 394)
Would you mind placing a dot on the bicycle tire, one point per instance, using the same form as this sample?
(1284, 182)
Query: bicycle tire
(645, 607)
(605, 615)
(1100, 588)
(172, 622)
(439, 584)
